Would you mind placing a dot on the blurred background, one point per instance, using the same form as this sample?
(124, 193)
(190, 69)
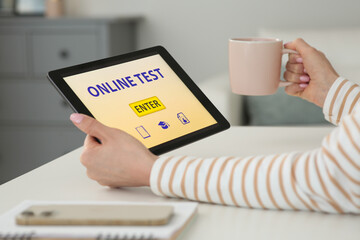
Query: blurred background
(37, 36)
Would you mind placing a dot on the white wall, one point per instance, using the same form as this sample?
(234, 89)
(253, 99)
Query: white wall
(196, 31)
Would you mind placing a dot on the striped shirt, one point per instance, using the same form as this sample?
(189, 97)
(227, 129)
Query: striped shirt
(326, 179)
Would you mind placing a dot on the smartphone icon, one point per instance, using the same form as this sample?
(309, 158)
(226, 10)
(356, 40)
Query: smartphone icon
(142, 131)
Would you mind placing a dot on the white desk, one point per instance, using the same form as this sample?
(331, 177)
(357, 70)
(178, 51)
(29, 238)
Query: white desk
(65, 179)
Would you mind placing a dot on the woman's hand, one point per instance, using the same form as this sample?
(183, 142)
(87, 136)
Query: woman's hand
(310, 71)
(119, 160)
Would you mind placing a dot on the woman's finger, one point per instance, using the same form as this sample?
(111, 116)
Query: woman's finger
(91, 142)
(91, 126)
(296, 78)
(295, 58)
(296, 89)
(295, 67)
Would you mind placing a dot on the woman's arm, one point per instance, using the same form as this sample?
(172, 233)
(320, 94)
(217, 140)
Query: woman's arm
(325, 179)
(341, 101)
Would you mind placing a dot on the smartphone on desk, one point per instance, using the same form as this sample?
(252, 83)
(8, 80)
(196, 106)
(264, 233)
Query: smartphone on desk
(130, 215)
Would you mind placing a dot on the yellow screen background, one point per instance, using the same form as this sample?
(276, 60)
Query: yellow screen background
(114, 111)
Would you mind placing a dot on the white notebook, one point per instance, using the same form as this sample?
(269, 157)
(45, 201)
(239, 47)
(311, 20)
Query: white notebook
(183, 213)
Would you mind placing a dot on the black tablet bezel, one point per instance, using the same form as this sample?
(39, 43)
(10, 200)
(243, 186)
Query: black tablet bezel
(56, 77)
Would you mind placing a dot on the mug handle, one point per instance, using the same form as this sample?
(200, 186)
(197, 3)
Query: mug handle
(286, 51)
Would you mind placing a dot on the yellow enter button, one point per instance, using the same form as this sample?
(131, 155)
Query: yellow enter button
(147, 106)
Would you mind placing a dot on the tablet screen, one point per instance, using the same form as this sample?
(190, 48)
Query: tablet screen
(143, 97)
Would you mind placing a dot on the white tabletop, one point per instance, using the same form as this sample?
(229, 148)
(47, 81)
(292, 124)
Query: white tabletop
(65, 179)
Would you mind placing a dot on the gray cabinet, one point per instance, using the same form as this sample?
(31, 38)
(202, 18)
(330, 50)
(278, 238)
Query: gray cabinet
(34, 119)
(12, 54)
(61, 49)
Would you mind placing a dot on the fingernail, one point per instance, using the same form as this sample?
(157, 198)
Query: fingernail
(299, 60)
(303, 85)
(286, 44)
(304, 78)
(305, 70)
(76, 118)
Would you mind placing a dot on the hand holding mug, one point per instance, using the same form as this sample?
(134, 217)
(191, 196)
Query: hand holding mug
(255, 63)
(311, 72)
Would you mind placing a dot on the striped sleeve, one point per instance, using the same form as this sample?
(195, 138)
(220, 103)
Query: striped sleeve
(341, 100)
(326, 179)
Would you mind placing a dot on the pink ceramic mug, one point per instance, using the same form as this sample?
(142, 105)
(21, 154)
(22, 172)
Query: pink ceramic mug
(255, 65)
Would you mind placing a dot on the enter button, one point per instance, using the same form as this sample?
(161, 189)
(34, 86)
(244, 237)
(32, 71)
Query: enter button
(147, 106)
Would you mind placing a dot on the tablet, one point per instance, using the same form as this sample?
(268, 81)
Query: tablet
(144, 93)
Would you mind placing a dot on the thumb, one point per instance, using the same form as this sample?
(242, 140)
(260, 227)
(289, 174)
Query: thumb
(89, 126)
(299, 45)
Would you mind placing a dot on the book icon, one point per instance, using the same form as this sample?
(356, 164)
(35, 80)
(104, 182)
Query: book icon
(142, 131)
(183, 119)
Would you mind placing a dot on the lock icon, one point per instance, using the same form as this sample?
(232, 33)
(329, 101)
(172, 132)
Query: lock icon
(183, 119)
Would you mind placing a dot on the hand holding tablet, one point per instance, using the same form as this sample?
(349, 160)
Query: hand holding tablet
(144, 93)
(111, 156)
